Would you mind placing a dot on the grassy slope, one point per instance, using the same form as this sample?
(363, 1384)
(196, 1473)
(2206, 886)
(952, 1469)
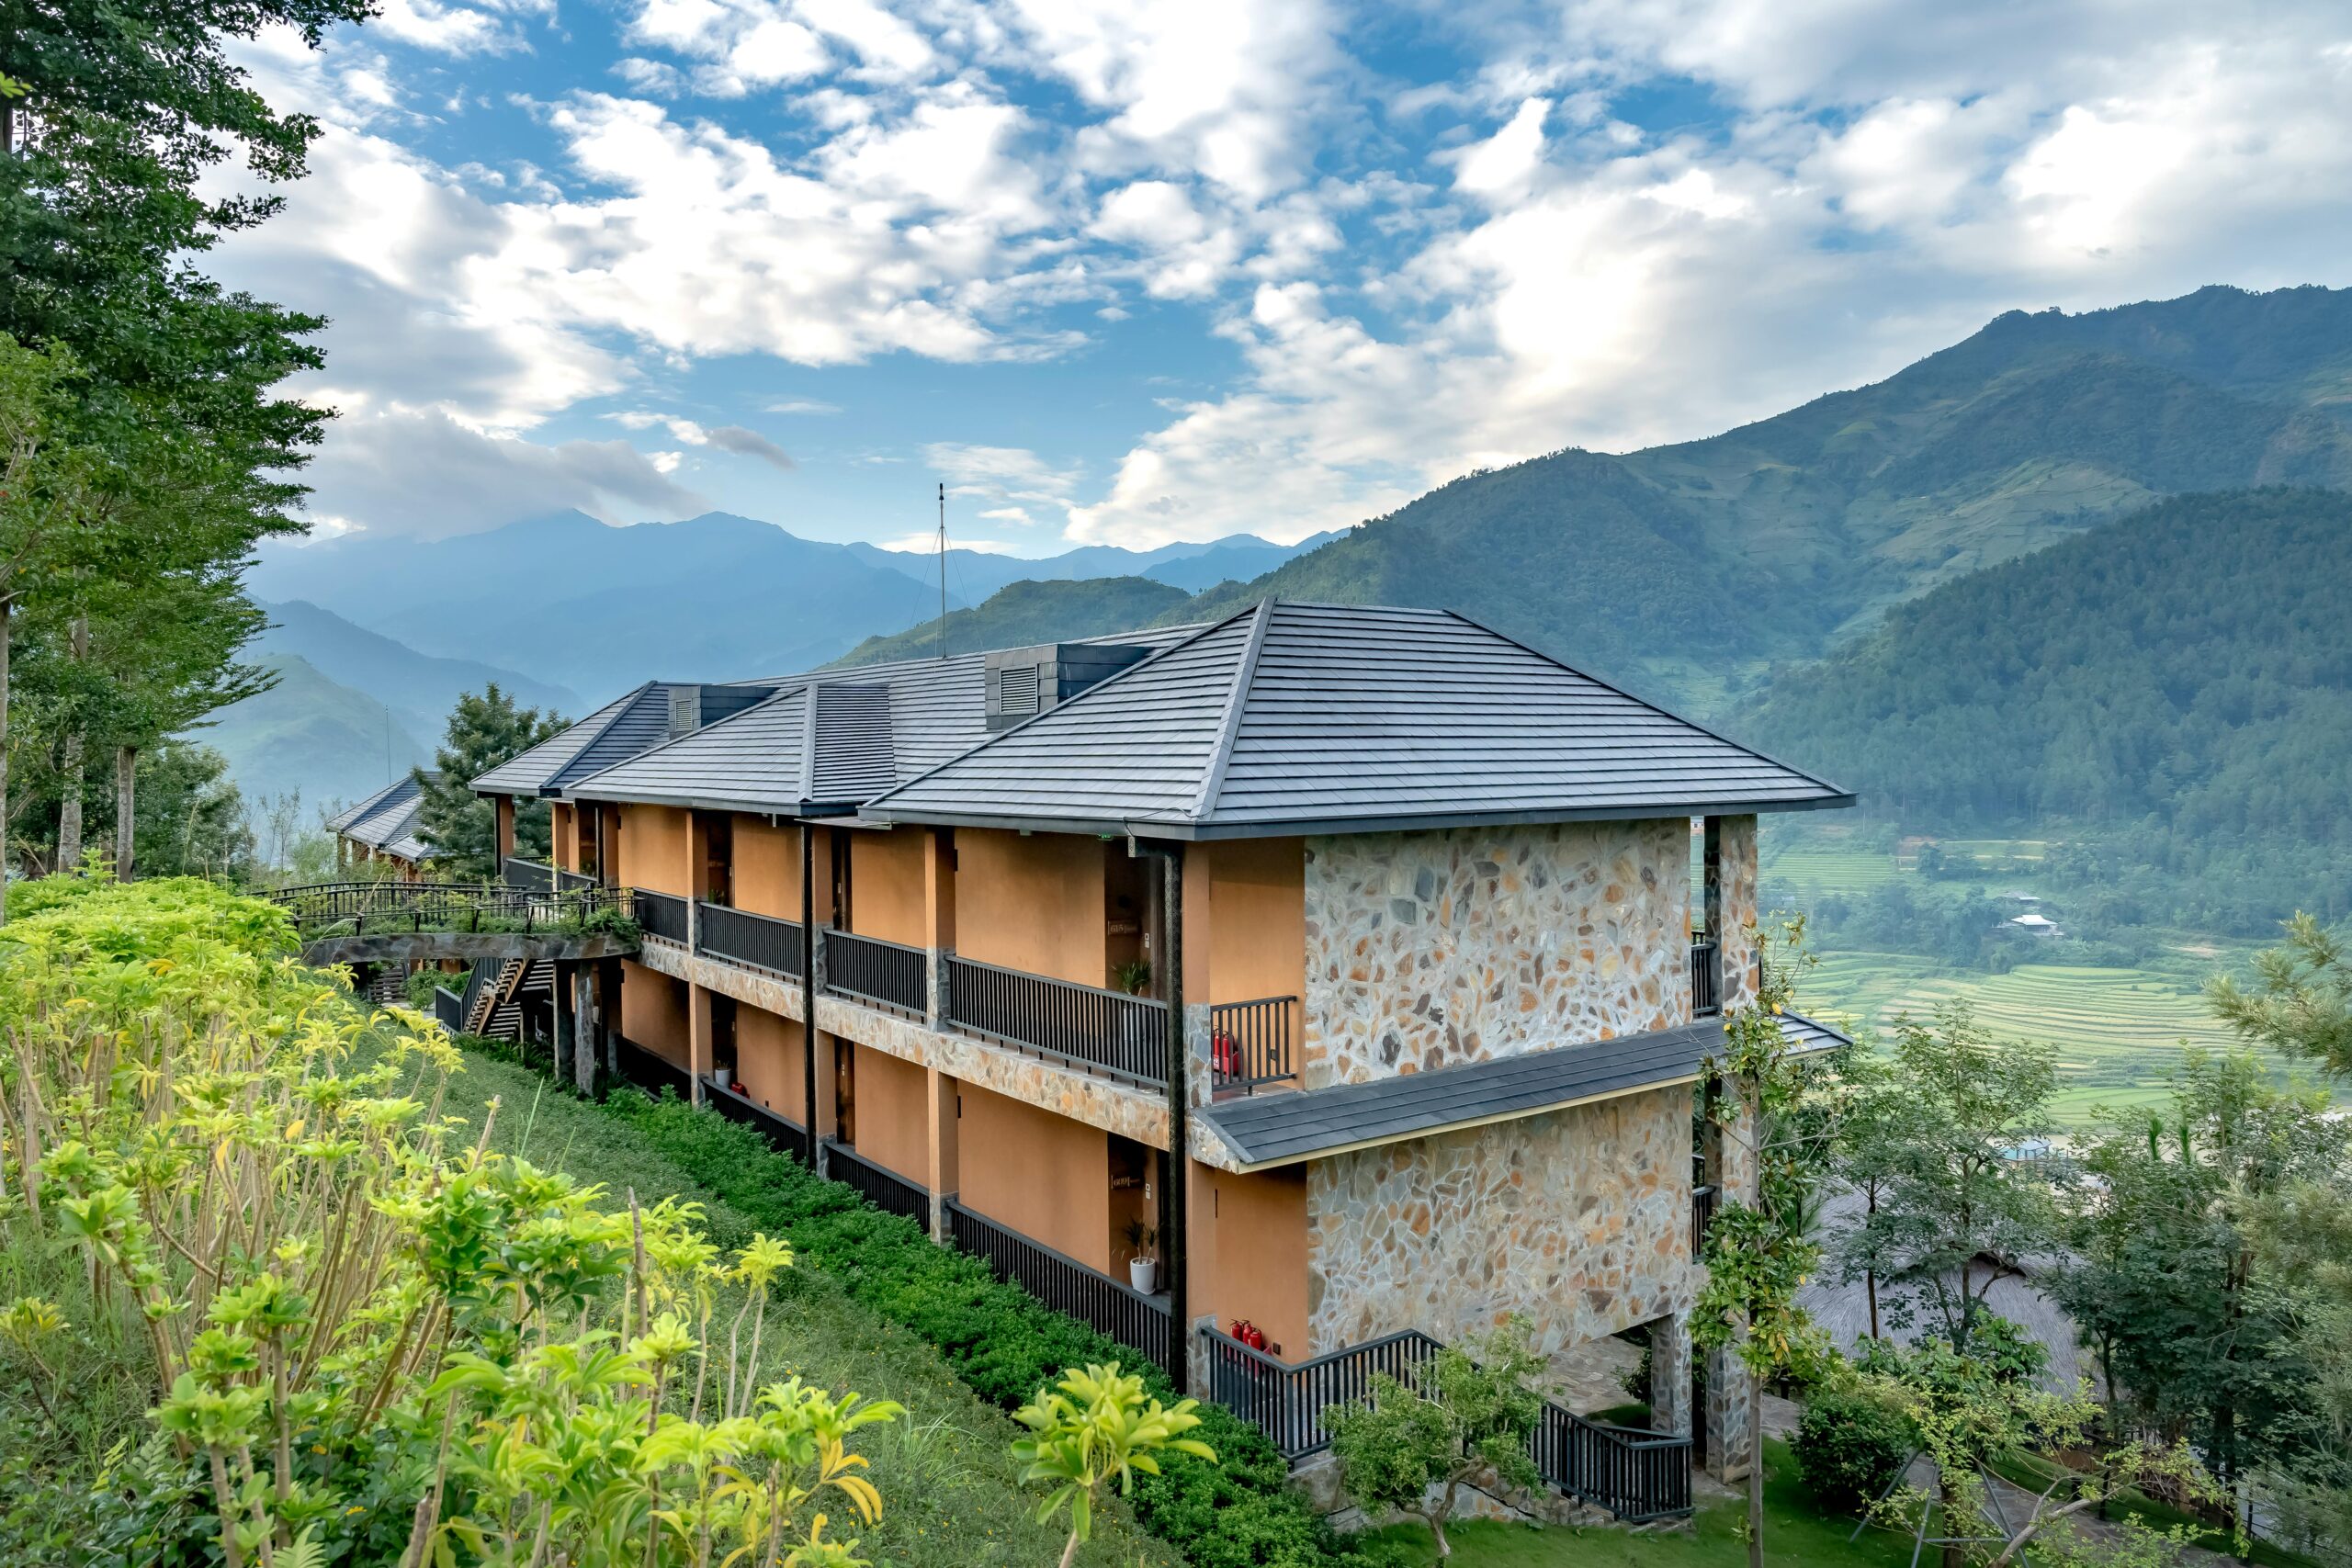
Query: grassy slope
(951, 1491)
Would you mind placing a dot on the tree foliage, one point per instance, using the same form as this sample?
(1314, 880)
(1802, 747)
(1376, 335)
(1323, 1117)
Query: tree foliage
(1093, 1427)
(485, 729)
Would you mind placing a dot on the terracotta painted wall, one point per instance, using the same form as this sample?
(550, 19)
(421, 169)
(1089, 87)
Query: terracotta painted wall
(893, 1130)
(654, 849)
(885, 890)
(767, 867)
(653, 1011)
(564, 835)
(1043, 1175)
(769, 1059)
(1257, 1252)
(1033, 904)
(1257, 943)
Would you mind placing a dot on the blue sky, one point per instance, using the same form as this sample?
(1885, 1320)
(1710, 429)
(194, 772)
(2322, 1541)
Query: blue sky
(1175, 269)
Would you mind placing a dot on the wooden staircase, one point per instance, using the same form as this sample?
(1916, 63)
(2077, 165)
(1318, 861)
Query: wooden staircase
(496, 1008)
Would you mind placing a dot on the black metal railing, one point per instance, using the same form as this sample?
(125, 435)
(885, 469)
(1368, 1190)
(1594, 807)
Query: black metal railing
(651, 1071)
(1063, 1283)
(360, 908)
(784, 1136)
(885, 1189)
(888, 974)
(758, 942)
(1704, 1201)
(1286, 1400)
(570, 880)
(663, 915)
(1637, 1476)
(1249, 1043)
(449, 1010)
(534, 875)
(1109, 1030)
(1706, 979)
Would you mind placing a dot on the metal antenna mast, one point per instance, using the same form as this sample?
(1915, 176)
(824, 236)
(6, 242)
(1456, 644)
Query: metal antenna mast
(943, 569)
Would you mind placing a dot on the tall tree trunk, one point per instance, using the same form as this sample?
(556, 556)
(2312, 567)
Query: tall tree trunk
(126, 787)
(69, 815)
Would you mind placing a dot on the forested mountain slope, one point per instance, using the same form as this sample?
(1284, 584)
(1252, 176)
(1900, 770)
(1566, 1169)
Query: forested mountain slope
(1028, 613)
(2169, 693)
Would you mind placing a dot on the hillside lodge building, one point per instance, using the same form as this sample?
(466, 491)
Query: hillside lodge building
(1351, 965)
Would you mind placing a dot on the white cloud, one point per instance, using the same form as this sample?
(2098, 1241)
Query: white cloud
(928, 544)
(801, 405)
(1018, 515)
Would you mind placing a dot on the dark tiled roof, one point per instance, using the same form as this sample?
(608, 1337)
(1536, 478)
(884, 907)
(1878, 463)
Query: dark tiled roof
(352, 813)
(874, 726)
(1330, 718)
(624, 728)
(1283, 1129)
(392, 811)
(526, 772)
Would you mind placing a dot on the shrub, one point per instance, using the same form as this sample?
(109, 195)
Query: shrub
(1850, 1445)
(1237, 1512)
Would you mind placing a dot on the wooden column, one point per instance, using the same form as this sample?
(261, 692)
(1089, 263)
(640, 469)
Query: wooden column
(504, 805)
(697, 1037)
(944, 1117)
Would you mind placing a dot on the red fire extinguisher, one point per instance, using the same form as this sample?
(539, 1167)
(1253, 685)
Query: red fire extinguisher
(1247, 1333)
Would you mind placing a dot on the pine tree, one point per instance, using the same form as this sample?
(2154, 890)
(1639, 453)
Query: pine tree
(485, 729)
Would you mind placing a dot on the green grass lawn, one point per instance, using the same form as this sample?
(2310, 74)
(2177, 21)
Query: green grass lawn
(951, 1491)
(1795, 1535)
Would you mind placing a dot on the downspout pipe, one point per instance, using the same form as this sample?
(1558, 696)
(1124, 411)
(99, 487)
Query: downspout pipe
(1175, 1217)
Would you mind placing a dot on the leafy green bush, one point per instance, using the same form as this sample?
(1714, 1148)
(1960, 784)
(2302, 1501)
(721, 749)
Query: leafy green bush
(1238, 1513)
(1850, 1445)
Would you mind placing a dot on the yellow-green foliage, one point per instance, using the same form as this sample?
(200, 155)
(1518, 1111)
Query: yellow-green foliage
(369, 1341)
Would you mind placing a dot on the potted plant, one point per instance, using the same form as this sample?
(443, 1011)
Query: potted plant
(1143, 1269)
(1133, 976)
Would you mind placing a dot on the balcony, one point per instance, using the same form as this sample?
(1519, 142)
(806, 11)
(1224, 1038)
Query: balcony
(536, 877)
(1706, 979)
(661, 915)
(571, 881)
(1249, 1044)
(755, 942)
(1064, 1283)
(1108, 1031)
(867, 969)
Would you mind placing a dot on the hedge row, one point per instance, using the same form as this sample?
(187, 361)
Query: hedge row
(1239, 1512)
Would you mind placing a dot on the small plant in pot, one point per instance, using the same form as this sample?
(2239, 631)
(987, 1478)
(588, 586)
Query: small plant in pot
(1143, 1269)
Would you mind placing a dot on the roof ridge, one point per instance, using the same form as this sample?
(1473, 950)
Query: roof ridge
(620, 710)
(1102, 685)
(1639, 701)
(681, 739)
(1228, 723)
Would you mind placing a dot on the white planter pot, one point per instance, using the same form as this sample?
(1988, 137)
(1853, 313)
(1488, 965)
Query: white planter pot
(1143, 1273)
(722, 1077)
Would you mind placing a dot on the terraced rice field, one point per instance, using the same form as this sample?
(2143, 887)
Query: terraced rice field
(2116, 1029)
(1820, 865)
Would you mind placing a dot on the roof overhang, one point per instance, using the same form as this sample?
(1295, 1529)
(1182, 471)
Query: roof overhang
(1147, 827)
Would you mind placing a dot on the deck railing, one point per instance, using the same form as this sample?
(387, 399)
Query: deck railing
(1638, 1476)
(534, 874)
(361, 909)
(1706, 979)
(888, 974)
(885, 1189)
(570, 880)
(1286, 1400)
(1634, 1476)
(1063, 1283)
(757, 941)
(1704, 1201)
(449, 1010)
(784, 1136)
(1086, 1024)
(483, 976)
(651, 1071)
(1250, 1043)
(661, 915)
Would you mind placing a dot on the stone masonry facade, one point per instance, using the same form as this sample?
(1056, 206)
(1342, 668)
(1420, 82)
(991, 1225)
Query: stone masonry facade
(1426, 950)
(1429, 950)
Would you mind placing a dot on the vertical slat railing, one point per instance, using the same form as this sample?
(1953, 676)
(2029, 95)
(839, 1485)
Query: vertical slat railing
(883, 1188)
(661, 915)
(1250, 1043)
(1704, 1201)
(756, 941)
(888, 974)
(1086, 1024)
(1064, 1283)
(1706, 979)
(571, 881)
(538, 876)
(449, 1010)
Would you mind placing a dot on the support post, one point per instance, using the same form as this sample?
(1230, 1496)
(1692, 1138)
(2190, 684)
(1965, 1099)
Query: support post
(697, 1038)
(942, 1177)
(563, 999)
(809, 948)
(1175, 1207)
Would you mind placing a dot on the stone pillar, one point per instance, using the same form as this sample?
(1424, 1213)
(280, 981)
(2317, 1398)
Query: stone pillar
(588, 1040)
(940, 1102)
(1731, 1168)
(608, 1019)
(1671, 1374)
(1733, 890)
(563, 1001)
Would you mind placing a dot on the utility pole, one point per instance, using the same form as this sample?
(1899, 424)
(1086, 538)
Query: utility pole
(943, 569)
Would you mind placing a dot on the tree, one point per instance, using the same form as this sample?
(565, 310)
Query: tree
(485, 729)
(1095, 1426)
(2303, 1238)
(1756, 1250)
(1874, 1135)
(1963, 1199)
(2300, 1002)
(2162, 1269)
(1465, 1412)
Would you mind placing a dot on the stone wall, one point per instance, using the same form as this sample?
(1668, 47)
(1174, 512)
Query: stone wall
(1424, 950)
(1578, 1219)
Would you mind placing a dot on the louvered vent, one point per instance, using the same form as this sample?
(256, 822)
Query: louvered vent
(1016, 691)
(685, 711)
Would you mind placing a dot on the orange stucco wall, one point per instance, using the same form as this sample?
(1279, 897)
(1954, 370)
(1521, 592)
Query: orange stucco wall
(892, 1126)
(1044, 1175)
(768, 1061)
(767, 867)
(1257, 925)
(564, 836)
(653, 1011)
(654, 849)
(1249, 1252)
(1033, 904)
(886, 888)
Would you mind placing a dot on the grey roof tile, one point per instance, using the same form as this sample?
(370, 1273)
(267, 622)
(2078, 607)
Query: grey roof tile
(1315, 718)
(365, 807)
(526, 772)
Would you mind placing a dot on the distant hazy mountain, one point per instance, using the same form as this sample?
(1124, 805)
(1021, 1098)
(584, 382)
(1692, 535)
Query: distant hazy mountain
(973, 575)
(311, 734)
(419, 688)
(1027, 612)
